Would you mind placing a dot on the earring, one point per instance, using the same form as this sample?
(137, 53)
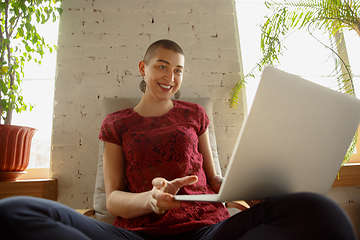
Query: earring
(142, 85)
(177, 95)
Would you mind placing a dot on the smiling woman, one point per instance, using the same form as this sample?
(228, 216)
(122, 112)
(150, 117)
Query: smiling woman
(162, 71)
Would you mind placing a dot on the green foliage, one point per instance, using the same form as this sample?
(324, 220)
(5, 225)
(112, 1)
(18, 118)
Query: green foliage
(329, 16)
(350, 150)
(20, 43)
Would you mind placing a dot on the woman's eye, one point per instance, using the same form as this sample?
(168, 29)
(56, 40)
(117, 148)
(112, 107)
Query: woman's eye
(178, 71)
(162, 67)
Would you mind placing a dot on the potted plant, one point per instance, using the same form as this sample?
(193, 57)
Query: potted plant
(329, 16)
(19, 43)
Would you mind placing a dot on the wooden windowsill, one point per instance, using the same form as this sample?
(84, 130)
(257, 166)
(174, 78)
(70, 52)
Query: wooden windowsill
(42, 188)
(35, 173)
(349, 175)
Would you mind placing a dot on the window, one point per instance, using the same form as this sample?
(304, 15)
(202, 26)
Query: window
(304, 56)
(352, 45)
(38, 89)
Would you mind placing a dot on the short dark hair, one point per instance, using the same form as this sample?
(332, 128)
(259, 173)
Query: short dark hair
(163, 43)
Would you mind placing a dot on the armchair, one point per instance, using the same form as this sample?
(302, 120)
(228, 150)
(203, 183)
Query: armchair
(110, 105)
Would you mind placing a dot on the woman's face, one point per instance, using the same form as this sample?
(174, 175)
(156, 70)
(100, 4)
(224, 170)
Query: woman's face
(164, 73)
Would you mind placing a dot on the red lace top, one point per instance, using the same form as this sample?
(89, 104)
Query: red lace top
(164, 146)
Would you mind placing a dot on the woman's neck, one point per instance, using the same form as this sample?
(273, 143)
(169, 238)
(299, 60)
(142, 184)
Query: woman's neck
(153, 108)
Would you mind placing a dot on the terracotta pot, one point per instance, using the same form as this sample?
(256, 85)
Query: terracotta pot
(15, 146)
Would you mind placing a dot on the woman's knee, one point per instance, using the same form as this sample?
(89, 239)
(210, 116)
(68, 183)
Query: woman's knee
(9, 206)
(306, 205)
(314, 213)
(314, 204)
(13, 213)
(22, 208)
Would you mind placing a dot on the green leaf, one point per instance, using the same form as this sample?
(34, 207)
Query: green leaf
(12, 97)
(3, 103)
(34, 39)
(28, 48)
(2, 6)
(3, 87)
(23, 8)
(21, 32)
(28, 26)
(6, 42)
(31, 9)
(12, 20)
(4, 70)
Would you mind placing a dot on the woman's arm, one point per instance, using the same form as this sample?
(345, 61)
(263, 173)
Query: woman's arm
(209, 167)
(130, 205)
(119, 202)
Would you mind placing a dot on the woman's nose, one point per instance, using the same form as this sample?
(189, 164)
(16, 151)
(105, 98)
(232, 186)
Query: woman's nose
(169, 76)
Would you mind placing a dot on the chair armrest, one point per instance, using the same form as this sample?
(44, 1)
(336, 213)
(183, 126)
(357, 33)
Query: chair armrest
(86, 212)
(241, 205)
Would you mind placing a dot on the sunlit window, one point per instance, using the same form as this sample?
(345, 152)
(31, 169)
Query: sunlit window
(38, 89)
(352, 44)
(304, 56)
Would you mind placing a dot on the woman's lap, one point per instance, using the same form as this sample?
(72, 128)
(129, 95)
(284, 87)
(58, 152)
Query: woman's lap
(294, 216)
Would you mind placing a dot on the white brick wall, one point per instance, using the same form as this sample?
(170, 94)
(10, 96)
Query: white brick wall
(349, 199)
(100, 45)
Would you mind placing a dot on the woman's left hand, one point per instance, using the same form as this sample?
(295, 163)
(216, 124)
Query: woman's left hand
(215, 183)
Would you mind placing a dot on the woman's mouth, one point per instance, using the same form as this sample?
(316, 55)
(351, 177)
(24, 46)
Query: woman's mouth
(165, 86)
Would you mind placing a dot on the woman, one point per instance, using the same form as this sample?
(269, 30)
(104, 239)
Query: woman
(154, 151)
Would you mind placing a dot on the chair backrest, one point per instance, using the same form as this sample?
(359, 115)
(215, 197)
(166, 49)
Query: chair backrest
(110, 105)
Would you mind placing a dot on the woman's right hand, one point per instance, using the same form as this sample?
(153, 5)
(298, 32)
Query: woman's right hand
(162, 194)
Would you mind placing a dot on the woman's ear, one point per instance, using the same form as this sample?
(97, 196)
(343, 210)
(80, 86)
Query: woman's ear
(142, 68)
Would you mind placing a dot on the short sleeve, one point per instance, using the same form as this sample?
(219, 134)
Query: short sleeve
(111, 130)
(203, 120)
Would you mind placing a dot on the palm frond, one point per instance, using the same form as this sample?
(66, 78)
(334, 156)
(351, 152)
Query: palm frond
(235, 92)
(350, 150)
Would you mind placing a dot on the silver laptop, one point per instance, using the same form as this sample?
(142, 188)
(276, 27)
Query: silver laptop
(293, 140)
